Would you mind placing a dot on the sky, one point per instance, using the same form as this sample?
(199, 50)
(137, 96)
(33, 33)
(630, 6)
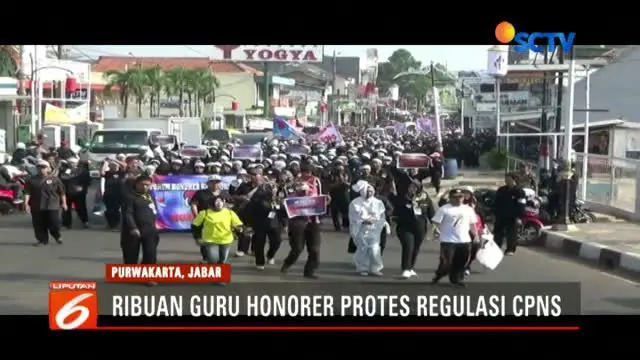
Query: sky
(456, 57)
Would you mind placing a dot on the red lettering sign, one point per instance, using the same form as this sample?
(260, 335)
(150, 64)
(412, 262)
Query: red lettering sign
(267, 53)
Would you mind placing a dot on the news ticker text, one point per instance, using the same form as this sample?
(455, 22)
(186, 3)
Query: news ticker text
(337, 300)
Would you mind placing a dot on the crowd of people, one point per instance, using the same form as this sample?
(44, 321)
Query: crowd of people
(368, 196)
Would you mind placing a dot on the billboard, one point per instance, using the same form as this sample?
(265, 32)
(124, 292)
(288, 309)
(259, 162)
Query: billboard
(268, 53)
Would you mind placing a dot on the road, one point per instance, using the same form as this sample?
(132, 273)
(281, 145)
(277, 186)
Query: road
(26, 270)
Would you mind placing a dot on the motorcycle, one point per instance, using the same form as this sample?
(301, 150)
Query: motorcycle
(533, 219)
(582, 215)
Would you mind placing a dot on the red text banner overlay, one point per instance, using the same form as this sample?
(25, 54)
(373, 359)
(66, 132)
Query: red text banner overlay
(168, 273)
(73, 305)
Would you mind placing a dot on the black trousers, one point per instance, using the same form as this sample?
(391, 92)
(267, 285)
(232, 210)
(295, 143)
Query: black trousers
(506, 229)
(453, 261)
(112, 210)
(473, 252)
(435, 181)
(80, 201)
(351, 247)
(260, 236)
(410, 242)
(304, 233)
(45, 222)
(131, 246)
(339, 208)
(245, 243)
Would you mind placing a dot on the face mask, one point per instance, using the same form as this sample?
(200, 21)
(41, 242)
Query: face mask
(218, 204)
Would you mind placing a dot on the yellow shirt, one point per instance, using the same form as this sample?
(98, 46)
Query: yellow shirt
(217, 226)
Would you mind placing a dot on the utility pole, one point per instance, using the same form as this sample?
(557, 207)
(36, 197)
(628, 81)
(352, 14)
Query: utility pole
(267, 88)
(59, 53)
(544, 122)
(462, 108)
(334, 72)
(20, 76)
(436, 113)
(334, 83)
(560, 91)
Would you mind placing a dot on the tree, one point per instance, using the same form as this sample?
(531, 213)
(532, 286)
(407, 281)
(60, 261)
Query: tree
(8, 64)
(149, 85)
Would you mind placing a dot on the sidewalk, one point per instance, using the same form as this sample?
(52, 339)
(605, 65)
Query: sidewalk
(615, 246)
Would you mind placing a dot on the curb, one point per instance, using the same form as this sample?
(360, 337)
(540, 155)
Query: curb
(600, 255)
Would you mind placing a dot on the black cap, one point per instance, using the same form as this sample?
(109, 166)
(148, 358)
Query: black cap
(456, 192)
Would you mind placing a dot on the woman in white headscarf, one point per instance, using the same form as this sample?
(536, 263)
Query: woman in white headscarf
(366, 222)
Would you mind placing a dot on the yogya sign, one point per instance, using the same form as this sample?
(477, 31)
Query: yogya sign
(269, 53)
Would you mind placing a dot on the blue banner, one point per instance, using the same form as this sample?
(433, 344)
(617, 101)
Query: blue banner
(172, 195)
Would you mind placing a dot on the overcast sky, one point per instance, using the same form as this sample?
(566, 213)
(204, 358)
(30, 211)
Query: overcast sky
(456, 57)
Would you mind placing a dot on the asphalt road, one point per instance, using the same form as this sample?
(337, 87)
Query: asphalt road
(26, 270)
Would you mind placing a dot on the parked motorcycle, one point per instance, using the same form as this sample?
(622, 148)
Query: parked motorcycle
(580, 214)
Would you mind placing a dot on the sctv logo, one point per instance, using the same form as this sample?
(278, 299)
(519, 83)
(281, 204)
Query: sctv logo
(536, 41)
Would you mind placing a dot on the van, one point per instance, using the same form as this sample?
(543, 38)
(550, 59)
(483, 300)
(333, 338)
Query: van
(109, 143)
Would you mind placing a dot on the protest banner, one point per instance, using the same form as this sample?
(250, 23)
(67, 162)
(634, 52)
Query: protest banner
(194, 151)
(413, 161)
(306, 206)
(246, 152)
(172, 195)
(295, 149)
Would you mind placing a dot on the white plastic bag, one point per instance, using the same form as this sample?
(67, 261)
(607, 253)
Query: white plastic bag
(490, 255)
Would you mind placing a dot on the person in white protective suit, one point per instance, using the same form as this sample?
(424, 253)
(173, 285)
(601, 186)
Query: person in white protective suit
(366, 222)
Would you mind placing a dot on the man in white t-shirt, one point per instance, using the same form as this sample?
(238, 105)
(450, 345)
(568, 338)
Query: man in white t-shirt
(455, 226)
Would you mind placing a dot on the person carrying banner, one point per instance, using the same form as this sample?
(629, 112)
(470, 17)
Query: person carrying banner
(304, 231)
(139, 225)
(366, 223)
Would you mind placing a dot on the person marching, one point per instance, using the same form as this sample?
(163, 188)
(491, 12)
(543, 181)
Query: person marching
(76, 180)
(339, 192)
(113, 176)
(304, 230)
(412, 211)
(139, 225)
(509, 206)
(456, 228)
(366, 223)
(203, 199)
(213, 230)
(44, 197)
(265, 209)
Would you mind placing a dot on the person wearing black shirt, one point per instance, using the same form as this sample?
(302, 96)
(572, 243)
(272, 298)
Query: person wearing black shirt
(509, 207)
(114, 178)
(203, 199)
(44, 197)
(412, 211)
(265, 207)
(139, 225)
(339, 192)
(241, 197)
(76, 180)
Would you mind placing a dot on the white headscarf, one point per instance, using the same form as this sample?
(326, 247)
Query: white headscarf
(361, 187)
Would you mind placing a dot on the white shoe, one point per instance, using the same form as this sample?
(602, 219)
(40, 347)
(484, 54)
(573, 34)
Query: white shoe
(260, 268)
(271, 261)
(509, 253)
(364, 273)
(406, 274)
(467, 272)
(239, 253)
(413, 273)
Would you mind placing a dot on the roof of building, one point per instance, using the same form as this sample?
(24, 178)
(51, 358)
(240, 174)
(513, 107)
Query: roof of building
(106, 63)
(346, 66)
(612, 88)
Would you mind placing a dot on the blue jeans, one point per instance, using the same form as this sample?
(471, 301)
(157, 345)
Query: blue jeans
(215, 253)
